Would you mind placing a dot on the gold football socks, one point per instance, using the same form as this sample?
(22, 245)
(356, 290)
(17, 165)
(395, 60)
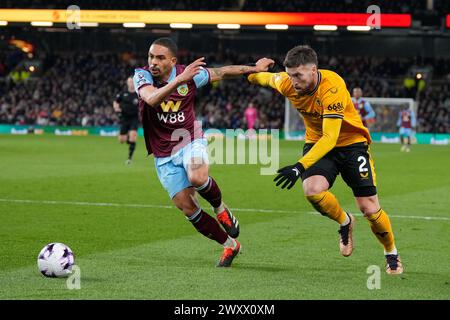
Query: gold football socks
(327, 204)
(381, 227)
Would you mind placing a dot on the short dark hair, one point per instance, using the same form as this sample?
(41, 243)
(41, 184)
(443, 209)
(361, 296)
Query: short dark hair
(300, 55)
(168, 43)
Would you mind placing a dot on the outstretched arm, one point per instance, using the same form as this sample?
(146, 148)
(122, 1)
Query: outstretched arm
(236, 70)
(264, 79)
(278, 81)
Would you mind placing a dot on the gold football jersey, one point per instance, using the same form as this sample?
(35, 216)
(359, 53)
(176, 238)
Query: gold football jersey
(329, 99)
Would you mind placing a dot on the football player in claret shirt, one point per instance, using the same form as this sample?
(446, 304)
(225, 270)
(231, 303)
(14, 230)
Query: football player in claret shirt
(407, 123)
(336, 143)
(363, 107)
(167, 93)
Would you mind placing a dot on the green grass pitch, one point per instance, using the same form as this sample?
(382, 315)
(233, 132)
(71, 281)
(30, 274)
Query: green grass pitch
(131, 243)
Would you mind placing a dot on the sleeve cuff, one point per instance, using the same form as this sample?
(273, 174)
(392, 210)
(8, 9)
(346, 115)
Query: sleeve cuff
(336, 116)
(301, 166)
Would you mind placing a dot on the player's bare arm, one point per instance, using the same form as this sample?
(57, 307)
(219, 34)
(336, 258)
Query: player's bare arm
(235, 70)
(154, 96)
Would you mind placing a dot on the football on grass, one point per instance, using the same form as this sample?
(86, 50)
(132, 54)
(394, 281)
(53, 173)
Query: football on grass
(56, 260)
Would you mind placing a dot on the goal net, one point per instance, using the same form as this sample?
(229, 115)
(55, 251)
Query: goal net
(386, 110)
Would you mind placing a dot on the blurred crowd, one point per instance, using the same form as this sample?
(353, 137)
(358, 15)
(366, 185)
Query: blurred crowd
(434, 110)
(78, 90)
(226, 105)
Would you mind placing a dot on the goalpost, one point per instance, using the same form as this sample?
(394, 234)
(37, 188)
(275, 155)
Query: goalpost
(386, 110)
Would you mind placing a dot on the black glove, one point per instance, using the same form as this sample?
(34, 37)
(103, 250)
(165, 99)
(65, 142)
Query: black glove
(289, 175)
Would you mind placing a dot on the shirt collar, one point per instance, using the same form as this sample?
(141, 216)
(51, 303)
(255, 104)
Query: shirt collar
(319, 78)
(173, 74)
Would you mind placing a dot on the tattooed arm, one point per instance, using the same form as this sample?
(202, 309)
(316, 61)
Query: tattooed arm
(230, 71)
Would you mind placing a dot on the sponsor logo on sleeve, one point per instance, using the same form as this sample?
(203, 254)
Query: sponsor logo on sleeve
(336, 107)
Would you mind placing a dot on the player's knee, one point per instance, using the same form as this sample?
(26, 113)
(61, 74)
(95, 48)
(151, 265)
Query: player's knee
(198, 179)
(313, 190)
(315, 185)
(368, 207)
(198, 174)
(314, 198)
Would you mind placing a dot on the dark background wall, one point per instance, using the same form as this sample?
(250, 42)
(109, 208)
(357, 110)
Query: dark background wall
(245, 41)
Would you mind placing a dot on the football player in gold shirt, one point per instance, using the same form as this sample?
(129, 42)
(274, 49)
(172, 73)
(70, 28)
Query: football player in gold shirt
(336, 143)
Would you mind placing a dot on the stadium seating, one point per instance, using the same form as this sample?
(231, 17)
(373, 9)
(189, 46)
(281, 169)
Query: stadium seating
(82, 94)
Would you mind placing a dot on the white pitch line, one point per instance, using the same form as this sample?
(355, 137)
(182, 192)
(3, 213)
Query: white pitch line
(136, 205)
(96, 204)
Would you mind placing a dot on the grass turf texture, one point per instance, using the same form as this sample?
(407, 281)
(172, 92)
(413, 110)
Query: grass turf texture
(127, 252)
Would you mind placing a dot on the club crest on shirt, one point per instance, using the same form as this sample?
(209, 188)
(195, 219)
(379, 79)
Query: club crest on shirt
(183, 90)
(318, 102)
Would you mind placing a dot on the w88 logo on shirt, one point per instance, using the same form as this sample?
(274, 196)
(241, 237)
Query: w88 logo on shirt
(171, 117)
